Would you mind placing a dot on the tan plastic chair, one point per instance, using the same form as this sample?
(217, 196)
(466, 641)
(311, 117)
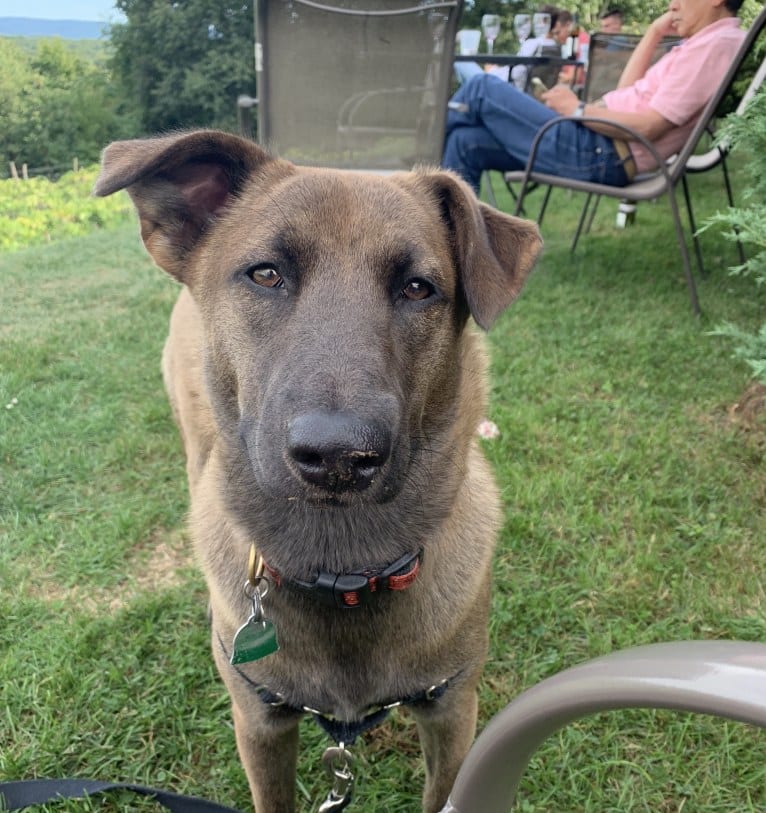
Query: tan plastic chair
(354, 84)
(721, 678)
(669, 173)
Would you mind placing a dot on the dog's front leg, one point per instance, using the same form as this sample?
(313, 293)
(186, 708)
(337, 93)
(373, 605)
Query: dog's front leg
(446, 728)
(269, 752)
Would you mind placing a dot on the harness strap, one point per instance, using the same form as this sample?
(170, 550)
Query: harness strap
(343, 731)
(23, 794)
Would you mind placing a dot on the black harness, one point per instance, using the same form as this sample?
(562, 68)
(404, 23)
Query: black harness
(342, 731)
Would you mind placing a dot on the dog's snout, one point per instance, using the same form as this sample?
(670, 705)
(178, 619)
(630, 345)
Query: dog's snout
(336, 451)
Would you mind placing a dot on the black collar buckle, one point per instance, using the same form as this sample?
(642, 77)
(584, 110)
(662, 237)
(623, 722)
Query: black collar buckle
(347, 591)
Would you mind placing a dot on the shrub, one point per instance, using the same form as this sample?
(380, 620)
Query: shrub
(747, 134)
(40, 210)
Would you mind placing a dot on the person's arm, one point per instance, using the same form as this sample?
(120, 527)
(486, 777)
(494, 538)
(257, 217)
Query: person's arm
(641, 59)
(650, 124)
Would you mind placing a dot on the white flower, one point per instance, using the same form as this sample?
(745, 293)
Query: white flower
(488, 429)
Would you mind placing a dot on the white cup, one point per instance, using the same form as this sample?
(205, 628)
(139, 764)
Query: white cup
(468, 40)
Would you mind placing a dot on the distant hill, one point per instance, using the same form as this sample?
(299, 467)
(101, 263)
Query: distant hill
(66, 29)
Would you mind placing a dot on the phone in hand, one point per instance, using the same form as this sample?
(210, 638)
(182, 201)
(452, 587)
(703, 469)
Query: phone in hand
(538, 87)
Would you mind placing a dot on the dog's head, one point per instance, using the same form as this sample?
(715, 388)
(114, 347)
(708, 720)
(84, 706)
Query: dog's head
(334, 305)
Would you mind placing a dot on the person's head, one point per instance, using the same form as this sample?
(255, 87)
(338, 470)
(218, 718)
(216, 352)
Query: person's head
(610, 21)
(561, 26)
(691, 16)
(551, 11)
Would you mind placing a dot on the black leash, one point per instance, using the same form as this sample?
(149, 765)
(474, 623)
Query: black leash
(23, 794)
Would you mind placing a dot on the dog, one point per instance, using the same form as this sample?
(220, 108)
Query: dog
(327, 379)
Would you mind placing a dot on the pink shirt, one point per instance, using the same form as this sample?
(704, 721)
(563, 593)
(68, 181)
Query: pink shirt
(679, 86)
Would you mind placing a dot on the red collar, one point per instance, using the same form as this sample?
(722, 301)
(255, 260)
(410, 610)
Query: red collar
(350, 590)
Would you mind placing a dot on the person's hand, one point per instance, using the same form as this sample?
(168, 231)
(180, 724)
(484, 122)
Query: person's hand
(562, 99)
(663, 26)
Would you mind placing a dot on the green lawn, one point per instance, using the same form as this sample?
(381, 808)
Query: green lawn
(634, 514)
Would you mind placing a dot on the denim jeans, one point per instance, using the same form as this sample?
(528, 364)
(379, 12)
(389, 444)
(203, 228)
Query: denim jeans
(497, 129)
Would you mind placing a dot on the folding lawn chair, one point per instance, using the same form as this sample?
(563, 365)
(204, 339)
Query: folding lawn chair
(669, 174)
(353, 84)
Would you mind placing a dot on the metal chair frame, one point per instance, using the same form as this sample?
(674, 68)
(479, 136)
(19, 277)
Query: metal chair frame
(668, 175)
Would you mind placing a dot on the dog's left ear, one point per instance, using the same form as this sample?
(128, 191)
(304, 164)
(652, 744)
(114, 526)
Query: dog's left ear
(493, 252)
(179, 183)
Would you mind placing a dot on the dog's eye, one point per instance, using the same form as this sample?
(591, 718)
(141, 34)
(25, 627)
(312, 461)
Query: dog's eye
(266, 276)
(417, 290)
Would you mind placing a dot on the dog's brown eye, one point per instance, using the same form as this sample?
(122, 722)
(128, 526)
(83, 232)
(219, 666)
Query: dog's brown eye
(417, 290)
(266, 276)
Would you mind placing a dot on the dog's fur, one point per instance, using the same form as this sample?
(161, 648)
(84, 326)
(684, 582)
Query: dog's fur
(328, 384)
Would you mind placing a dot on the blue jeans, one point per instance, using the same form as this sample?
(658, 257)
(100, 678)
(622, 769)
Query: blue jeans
(498, 127)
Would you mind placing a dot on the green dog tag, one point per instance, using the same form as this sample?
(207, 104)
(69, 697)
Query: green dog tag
(254, 640)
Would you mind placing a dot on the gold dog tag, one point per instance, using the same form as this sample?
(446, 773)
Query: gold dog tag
(254, 640)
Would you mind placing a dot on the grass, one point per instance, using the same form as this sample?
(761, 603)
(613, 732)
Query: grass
(634, 514)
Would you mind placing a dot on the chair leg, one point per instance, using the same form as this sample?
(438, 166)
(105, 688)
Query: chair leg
(730, 196)
(693, 225)
(511, 190)
(523, 192)
(690, 284)
(519, 198)
(544, 206)
(488, 189)
(583, 215)
(592, 214)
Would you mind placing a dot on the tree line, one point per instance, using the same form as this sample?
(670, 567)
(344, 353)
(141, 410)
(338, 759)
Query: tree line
(169, 65)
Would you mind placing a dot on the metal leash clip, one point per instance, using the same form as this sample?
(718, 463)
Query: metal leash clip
(337, 762)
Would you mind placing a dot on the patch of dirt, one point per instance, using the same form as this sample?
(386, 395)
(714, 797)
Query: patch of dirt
(749, 411)
(169, 558)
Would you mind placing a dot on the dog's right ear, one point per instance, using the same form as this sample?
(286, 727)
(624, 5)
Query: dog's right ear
(179, 183)
(494, 252)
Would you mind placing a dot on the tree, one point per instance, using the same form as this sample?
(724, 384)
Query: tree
(183, 63)
(56, 106)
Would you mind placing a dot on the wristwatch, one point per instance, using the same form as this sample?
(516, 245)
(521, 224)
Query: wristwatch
(580, 111)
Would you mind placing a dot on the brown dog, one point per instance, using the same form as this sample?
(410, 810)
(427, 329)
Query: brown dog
(328, 385)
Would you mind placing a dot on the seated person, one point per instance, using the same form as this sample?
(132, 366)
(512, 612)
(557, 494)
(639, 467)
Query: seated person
(491, 124)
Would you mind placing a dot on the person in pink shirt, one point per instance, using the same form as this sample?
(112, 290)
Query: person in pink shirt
(491, 125)
(674, 91)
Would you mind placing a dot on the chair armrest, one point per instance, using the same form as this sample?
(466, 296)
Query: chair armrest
(630, 133)
(721, 678)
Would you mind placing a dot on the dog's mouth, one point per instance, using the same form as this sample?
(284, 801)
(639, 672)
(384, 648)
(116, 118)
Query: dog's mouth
(346, 496)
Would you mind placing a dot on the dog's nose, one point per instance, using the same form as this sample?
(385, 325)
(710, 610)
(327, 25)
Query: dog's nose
(337, 451)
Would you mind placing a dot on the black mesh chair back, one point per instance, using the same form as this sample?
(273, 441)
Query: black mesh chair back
(355, 84)
(608, 55)
(547, 73)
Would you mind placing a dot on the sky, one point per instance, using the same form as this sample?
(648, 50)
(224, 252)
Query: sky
(98, 10)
